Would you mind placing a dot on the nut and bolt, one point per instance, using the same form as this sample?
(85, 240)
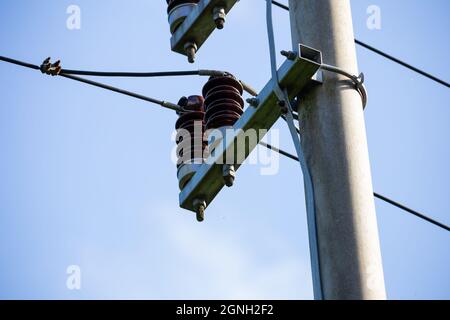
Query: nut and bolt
(229, 174)
(219, 16)
(283, 106)
(191, 50)
(201, 213)
(254, 102)
(290, 55)
(200, 207)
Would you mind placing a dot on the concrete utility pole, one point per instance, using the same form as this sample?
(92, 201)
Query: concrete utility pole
(335, 146)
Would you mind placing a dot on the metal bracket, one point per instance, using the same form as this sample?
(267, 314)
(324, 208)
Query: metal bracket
(198, 26)
(294, 76)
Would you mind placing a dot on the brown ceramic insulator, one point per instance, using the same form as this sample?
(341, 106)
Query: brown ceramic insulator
(173, 3)
(191, 115)
(223, 102)
(192, 103)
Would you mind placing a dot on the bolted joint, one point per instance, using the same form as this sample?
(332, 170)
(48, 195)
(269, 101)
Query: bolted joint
(200, 207)
(254, 102)
(290, 55)
(219, 16)
(283, 106)
(191, 50)
(229, 174)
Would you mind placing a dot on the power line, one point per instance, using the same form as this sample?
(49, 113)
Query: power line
(387, 56)
(417, 214)
(131, 74)
(275, 149)
(164, 104)
(19, 63)
(209, 73)
(201, 72)
(285, 7)
(66, 72)
(406, 65)
(376, 195)
(109, 74)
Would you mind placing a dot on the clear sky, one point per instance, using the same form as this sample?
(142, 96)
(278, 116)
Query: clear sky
(86, 176)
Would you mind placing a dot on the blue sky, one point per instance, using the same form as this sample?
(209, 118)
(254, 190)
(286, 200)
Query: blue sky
(87, 178)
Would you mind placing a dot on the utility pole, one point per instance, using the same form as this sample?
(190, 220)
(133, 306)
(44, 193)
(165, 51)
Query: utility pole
(335, 147)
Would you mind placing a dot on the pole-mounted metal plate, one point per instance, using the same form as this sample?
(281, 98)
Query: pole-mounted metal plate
(199, 24)
(295, 76)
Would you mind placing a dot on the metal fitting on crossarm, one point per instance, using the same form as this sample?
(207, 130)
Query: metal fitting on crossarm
(229, 174)
(219, 16)
(254, 102)
(290, 55)
(200, 207)
(191, 51)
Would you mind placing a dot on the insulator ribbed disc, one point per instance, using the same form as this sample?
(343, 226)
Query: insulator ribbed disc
(223, 102)
(215, 82)
(192, 120)
(173, 3)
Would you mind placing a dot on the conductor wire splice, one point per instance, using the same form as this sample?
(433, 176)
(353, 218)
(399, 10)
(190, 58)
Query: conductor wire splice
(52, 69)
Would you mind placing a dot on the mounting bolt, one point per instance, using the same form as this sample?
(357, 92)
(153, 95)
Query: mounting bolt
(290, 55)
(283, 107)
(199, 206)
(191, 50)
(254, 102)
(229, 174)
(219, 16)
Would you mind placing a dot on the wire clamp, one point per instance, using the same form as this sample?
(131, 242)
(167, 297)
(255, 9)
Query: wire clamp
(357, 80)
(52, 69)
(359, 83)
